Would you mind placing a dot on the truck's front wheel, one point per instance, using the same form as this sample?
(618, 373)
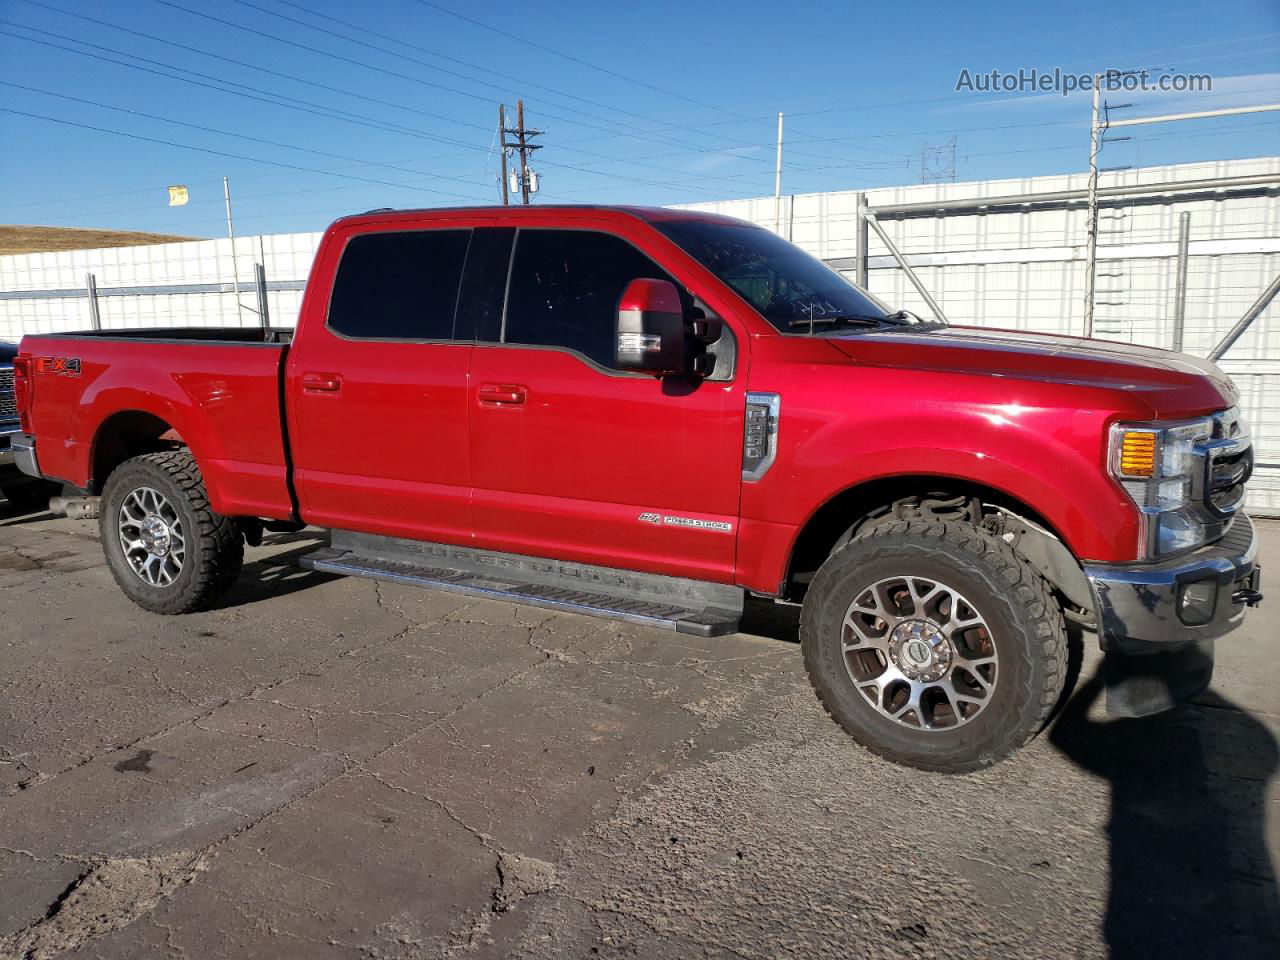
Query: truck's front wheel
(933, 644)
(167, 549)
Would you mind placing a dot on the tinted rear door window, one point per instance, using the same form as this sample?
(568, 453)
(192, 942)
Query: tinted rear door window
(565, 287)
(399, 286)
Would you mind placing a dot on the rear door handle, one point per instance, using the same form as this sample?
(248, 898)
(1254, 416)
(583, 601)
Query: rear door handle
(502, 394)
(321, 383)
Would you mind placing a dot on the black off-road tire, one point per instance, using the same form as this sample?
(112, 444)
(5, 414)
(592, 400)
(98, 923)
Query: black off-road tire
(1026, 624)
(215, 547)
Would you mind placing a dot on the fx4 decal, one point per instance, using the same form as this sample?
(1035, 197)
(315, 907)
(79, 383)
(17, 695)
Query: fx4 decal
(57, 366)
(718, 526)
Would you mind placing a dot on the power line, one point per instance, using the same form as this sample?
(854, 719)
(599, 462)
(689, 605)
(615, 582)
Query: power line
(97, 196)
(518, 80)
(252, 66)
(277, 163)
(348, 39)
(221, 153)
(447, 140)
(272, 194)
(561, 165)
(317, 50)
(952, 97)
(523, 82)
(652, 136)
(244, 176)
(263, 96)
(275, 99)
(362, 63)
(389, 128)
(229, 133)
(571, 57)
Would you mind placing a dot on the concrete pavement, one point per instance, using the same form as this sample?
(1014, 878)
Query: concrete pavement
(327, 767)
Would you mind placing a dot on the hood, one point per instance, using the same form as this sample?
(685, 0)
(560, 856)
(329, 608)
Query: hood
(7, 351)
(1174, 384)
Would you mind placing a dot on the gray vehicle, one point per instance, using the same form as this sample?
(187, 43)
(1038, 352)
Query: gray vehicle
(20, 490)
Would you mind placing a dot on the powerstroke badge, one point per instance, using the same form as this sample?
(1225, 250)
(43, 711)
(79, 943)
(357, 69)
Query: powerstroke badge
(718, 526)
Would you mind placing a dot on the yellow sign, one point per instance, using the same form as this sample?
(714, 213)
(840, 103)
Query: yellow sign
(178, 196)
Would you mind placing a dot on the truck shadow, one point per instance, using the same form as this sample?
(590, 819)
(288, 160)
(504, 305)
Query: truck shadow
(16, 518)
(1191, 875)
(12, 514)
(773, 621)
(279, 574)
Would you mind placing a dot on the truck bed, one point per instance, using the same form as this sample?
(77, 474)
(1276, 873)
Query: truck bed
(219, 390)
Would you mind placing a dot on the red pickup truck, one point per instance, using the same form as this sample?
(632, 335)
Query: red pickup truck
(647, 414)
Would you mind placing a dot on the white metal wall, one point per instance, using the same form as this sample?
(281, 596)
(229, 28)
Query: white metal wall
(286, 257)
(1023, 270)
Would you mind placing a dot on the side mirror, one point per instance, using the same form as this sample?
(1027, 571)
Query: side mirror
(651, 329)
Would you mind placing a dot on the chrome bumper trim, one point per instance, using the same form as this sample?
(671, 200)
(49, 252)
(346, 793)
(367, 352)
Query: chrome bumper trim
(23, 449)
(1137, 606)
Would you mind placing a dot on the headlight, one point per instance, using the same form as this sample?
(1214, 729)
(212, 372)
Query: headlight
(1157, 465)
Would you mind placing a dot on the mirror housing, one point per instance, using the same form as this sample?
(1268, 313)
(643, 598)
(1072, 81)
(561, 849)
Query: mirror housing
(650, 335)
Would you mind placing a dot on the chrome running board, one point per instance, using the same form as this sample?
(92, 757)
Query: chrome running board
(686, 606)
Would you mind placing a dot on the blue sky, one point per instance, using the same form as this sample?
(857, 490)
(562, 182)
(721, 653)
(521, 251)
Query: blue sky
(655, 102)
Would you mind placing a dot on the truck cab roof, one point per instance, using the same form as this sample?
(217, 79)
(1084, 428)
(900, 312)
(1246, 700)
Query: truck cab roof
(540, 212)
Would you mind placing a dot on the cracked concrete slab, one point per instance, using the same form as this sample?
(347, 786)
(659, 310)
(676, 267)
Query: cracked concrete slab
(26, 884)
(104, 897)
(340, 768)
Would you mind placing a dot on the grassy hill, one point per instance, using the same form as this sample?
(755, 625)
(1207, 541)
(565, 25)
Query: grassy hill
(15, 238)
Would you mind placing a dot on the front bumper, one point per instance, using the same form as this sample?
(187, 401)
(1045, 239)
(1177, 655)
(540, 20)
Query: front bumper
(1149, 607)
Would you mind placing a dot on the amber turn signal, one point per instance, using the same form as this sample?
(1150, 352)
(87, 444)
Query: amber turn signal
(1138, 453)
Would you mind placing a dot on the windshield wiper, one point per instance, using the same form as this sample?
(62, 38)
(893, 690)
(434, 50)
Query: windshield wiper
(905, 316)
(893, 319)
(843, 318)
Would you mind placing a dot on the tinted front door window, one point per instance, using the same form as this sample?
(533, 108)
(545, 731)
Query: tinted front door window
(565, 288)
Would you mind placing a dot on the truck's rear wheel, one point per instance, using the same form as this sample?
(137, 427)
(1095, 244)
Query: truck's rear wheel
(934, 645)
(169, 552)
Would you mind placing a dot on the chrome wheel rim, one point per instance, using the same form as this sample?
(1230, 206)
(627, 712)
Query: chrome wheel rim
(152, 537)
(919, 653)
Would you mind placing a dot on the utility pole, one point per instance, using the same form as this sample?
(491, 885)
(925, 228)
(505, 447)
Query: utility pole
(231, 235)
(524, 147)
(777, 183)
(1180, 290)
(524, 153)
(1091, 257)
(502, 149)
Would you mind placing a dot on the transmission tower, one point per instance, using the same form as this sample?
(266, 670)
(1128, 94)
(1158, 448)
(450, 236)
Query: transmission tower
(938, 162)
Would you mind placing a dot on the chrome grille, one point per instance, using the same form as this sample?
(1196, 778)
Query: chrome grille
(8, 404)
(1228, 464)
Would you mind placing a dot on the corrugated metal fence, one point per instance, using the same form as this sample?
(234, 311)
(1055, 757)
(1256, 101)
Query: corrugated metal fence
(1023, 268)
(165, 284)
(1020, 268)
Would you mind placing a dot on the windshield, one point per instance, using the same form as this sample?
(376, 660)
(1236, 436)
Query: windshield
(787, 286)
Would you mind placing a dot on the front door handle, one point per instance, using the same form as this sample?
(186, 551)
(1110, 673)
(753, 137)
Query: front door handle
(321, 383)
(502, 394)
